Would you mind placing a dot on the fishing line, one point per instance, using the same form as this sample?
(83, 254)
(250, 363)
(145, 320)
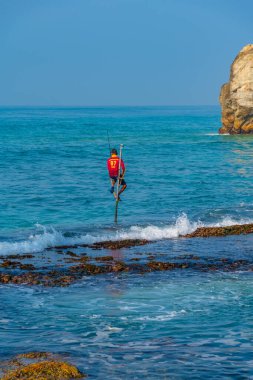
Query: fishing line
(109, 144)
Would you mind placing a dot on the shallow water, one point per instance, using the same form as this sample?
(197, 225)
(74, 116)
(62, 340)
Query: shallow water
(158, 325)
(181, 174)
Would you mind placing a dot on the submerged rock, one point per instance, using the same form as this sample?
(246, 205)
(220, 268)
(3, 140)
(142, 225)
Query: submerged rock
(108, 244)
(236, 97)
(75, 273)
(118, 244)
(16, 264)
(104, 258)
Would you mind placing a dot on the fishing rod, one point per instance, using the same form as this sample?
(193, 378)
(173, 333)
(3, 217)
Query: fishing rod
(109, 144)
(118, 182)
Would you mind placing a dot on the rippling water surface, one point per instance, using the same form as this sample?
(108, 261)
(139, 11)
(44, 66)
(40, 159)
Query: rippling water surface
(155, 326)
(181, 174)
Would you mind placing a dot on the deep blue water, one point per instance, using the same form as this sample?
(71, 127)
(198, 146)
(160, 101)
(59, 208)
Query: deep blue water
(180, 174)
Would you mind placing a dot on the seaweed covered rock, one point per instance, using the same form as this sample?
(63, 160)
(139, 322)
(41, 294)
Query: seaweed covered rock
(40, 366)
(236, 96)
(237, 229)
(119, 244)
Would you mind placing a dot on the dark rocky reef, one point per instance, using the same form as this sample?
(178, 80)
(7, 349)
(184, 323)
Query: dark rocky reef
(62, 266)
(77, 272)
(119, 244)
(221, 231)
(109, 244)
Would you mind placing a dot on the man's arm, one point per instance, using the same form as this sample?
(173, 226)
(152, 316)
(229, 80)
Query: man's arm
(108, 165)
(122, 168)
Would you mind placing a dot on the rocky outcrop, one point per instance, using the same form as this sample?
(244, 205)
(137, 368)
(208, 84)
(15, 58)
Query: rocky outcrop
(237, 229)
(236, 97)
(62, 267)
(39, 366)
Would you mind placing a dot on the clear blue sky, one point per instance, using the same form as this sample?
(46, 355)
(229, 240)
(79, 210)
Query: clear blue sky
(119, 52)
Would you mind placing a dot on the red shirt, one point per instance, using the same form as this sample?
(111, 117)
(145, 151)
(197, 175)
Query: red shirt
(113, 165)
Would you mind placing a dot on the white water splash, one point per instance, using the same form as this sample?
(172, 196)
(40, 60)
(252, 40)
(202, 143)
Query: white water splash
(216, 134)
(228, 221)
(40, 241)
(49, 237)
(181, 227)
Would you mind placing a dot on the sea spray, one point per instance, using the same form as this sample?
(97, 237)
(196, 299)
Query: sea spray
(48, 237)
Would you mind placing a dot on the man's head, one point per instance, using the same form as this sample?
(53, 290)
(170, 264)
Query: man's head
(114, 151)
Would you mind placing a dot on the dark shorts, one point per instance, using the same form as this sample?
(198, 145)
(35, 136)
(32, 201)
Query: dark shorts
(122, 182)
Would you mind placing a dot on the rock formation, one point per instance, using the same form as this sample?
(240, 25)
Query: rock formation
(103, 258)
(39, 366)
(236, 97)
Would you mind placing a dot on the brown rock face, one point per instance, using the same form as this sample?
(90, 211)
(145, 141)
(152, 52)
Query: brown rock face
(236, 96)
(38, 366)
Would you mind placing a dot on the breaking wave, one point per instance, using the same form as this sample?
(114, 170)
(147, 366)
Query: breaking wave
(48, 237)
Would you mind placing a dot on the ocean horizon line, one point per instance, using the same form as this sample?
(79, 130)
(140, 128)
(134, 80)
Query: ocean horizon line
(109, 106)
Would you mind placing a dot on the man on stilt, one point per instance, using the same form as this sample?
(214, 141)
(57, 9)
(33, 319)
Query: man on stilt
(116, 168)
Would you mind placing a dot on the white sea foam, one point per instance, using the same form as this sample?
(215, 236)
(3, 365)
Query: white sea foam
(228, 221)
(163, 317)
(4, 320)
(216, 134)
(48, 237)
(182, 226)
(114, 329)
(40, 241)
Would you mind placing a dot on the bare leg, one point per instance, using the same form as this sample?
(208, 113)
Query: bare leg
(112, 182)
(123, 188)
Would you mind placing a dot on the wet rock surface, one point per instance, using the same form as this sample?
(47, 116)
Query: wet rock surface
(109, 244)
(222, 231)
(66, 265)
(119, 244)
(39, 366)
(77, 272)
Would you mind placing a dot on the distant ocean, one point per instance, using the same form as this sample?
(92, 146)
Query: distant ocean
(181, 174)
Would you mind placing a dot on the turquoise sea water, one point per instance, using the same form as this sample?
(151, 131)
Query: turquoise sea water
(180, 174)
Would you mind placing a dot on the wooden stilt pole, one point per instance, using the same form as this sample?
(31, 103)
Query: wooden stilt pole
(116, 211)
